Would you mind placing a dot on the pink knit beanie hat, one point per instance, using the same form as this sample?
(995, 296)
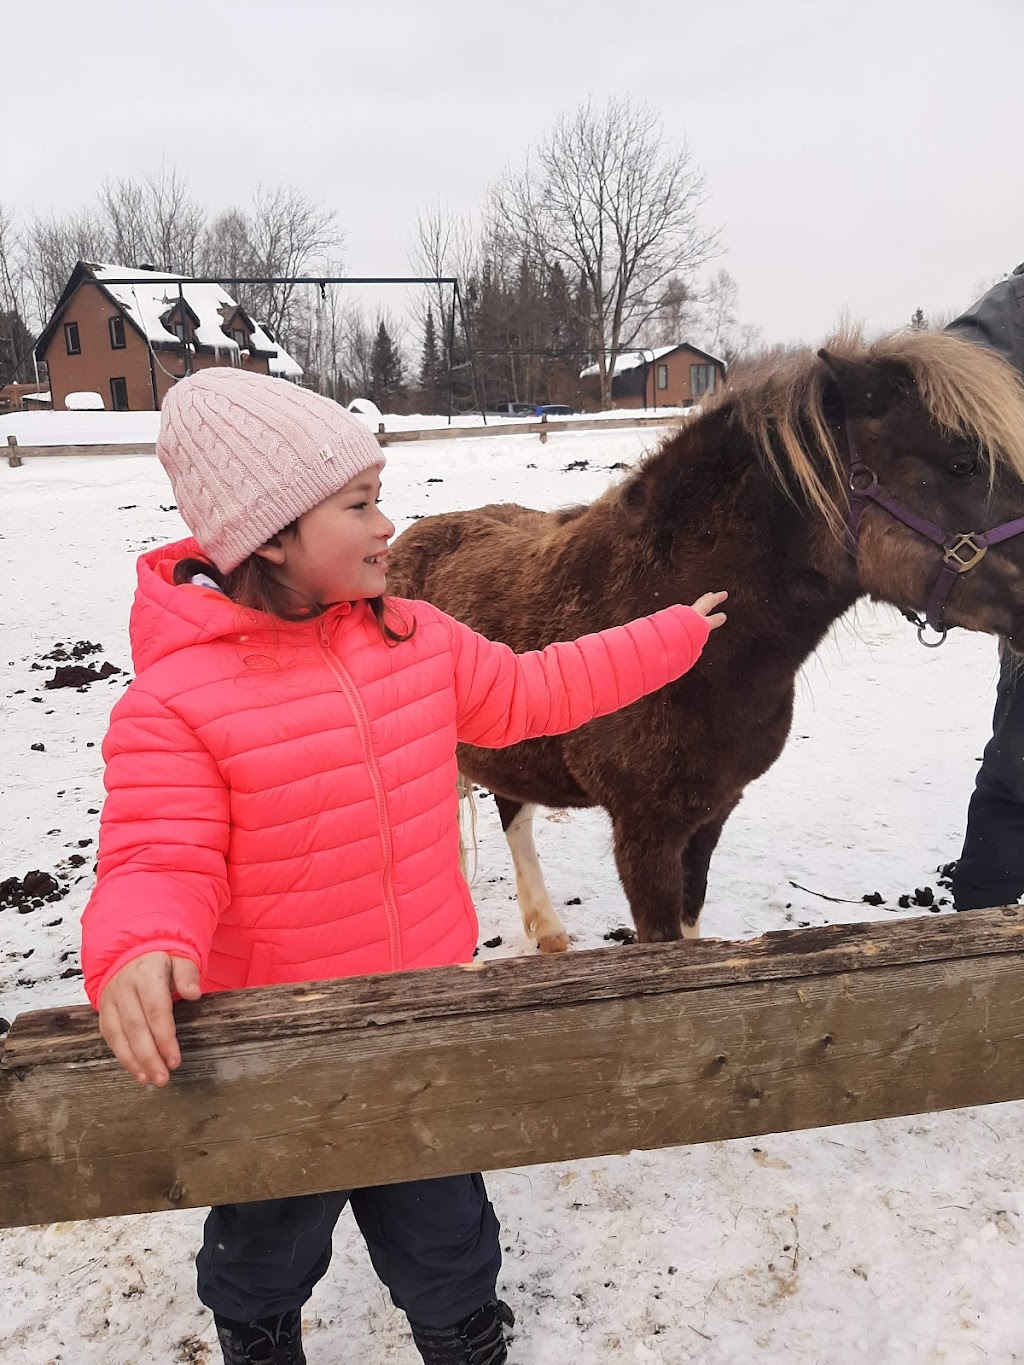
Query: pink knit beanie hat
(247, 454)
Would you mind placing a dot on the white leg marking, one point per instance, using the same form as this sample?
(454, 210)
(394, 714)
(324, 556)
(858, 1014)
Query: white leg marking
(539, 918)
(691, 930)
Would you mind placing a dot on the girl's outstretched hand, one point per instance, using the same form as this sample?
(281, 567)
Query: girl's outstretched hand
(136, 1017)
(706, 604)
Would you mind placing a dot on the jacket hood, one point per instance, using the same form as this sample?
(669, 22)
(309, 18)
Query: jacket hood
(166, 616)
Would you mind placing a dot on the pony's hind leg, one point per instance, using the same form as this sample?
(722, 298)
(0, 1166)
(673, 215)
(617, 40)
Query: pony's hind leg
(539, 917)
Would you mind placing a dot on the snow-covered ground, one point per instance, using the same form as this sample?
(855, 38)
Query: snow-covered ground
(884, 1242)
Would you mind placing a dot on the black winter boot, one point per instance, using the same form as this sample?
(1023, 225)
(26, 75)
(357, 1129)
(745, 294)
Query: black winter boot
(270, 1341)
(476, 1340)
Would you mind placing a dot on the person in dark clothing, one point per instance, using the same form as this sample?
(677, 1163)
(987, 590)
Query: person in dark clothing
(990, 870)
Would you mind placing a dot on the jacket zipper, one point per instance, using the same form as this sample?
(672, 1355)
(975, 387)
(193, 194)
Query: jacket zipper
(351, 692)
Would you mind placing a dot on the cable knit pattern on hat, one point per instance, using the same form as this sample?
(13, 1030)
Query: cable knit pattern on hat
(247, 454)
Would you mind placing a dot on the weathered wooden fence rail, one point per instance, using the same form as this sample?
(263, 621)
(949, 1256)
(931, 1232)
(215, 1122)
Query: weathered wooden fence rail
(289, 1090)
(542, 428)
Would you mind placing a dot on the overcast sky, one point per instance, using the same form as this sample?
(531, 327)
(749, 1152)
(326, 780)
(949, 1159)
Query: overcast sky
(861, 155)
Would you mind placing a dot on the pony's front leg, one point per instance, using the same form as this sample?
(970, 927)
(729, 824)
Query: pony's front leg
(696, 861)
(650, 867)
(540, 919)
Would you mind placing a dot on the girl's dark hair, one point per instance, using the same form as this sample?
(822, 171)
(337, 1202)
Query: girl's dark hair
(253, 585)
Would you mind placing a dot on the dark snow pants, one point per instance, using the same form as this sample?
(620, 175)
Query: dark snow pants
(433, 1243)
(990, 870)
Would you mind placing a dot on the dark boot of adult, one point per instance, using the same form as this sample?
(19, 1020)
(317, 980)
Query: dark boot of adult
(478, 1339)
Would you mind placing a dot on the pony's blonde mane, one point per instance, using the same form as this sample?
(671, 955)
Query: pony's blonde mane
(966, 389)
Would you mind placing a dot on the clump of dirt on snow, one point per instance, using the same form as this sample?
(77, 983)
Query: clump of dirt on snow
(71, 671)
(62, 653)
(79, 675)
(30, 892)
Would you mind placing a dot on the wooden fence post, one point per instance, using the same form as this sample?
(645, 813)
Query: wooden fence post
(13, 458)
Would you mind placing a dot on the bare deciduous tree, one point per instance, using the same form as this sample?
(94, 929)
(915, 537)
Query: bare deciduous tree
(603, 195)
(319, 329)
(720, 302)
(290, 234)
(54, 245)
(12, 266)
(357, 352)
(675, 317)
(225, 250)
(446, 245)
(15, 338)
(152, 220)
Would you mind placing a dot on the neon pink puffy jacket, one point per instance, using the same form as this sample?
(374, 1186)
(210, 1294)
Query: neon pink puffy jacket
(281, 798)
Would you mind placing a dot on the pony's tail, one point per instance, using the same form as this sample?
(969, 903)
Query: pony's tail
(465, 789)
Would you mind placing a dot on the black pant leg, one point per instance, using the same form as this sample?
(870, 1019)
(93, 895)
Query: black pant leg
(434, 1243)
(263, 1258)
(990, 870)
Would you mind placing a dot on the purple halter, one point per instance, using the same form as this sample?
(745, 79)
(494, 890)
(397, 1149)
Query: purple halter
(961, 552)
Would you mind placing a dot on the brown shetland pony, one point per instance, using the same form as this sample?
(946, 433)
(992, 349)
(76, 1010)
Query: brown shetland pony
(751, 495)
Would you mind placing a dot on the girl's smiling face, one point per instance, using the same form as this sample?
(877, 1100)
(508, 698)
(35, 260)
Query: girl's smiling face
(338, 552)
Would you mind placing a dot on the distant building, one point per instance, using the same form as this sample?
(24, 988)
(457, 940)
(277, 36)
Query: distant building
(14, 397)
(663, 377)
(129, 342)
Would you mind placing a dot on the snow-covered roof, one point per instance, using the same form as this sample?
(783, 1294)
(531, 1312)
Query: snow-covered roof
(367, 409)
(147, 302)
(629, 360)
(281, 364)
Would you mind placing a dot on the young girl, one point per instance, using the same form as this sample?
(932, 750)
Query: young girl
(282, 807)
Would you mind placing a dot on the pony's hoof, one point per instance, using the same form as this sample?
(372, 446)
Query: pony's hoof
(554, 943)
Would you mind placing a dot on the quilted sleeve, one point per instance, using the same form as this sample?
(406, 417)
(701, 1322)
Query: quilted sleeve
(505, 697)
(161, 877)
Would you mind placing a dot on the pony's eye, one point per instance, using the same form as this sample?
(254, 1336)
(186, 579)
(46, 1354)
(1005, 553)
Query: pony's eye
(963, 467)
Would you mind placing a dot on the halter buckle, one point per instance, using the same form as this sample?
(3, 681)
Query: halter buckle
(955, 558)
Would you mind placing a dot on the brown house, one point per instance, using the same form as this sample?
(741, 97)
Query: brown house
(664, 377)
(131, 342)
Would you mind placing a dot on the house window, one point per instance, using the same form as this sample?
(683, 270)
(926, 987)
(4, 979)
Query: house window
(702, 380)
(240, 339)
(119, 395)
(179, 331)
(662, 376)
(71, 339)
(116, 326)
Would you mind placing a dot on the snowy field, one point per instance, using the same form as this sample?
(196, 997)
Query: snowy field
(884, 1242)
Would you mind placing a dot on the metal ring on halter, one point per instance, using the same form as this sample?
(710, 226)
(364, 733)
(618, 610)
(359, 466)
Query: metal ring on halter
(916, 619)
(859, 471)
(931, 644)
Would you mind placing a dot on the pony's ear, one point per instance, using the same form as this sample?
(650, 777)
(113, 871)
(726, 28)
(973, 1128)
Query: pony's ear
(867, 388)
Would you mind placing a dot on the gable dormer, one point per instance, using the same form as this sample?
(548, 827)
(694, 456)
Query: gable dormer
(180, 322)
(238, 326)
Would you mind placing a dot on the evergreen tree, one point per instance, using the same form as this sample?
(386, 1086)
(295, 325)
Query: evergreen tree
(431, 367)
(387, 371)
(15, 350)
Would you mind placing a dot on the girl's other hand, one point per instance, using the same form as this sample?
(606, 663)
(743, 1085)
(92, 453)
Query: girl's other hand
(136, 1016)
(705, 606)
